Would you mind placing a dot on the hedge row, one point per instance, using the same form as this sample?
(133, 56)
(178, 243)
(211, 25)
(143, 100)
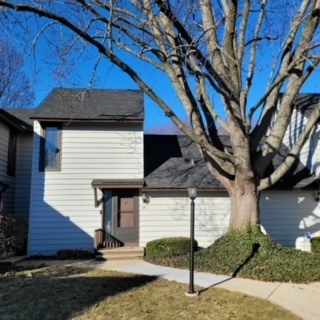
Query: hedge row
(315, 245)
(169, 247)
(253, 255)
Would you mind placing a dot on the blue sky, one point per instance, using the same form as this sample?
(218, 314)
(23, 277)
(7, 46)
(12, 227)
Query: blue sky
(40, 66)
(111, 77)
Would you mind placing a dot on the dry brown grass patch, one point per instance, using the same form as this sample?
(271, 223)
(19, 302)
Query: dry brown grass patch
(83, 293)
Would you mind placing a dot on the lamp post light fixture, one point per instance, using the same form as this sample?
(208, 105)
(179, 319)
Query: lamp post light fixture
(145, 198)
(192, 191)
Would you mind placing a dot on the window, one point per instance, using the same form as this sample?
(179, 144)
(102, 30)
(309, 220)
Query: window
(50, 148)
(12, 147)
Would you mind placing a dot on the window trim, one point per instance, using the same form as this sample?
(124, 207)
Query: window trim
(44, 127)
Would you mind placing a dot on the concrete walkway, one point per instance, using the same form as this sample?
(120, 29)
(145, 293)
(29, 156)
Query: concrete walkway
(301, 299)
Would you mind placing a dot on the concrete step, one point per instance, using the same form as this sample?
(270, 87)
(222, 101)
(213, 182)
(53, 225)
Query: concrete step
(11, 261)
(122, 253)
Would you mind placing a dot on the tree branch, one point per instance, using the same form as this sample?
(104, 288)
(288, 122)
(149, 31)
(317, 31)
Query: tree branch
(293, 153)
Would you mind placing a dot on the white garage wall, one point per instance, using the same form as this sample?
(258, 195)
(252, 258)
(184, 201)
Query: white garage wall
(168, 215)
(285, 215)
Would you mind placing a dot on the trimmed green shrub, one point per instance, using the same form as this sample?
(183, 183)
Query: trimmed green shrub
(169, 247)
(69, 254)
(315, 244)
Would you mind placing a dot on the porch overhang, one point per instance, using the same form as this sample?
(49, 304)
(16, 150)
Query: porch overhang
(105, 184)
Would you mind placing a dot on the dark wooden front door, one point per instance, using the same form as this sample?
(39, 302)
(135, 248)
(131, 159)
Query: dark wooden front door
(125, 208)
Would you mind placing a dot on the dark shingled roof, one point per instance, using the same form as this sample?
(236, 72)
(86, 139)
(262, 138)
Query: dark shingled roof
(20, 118)
(168, 165)
(91, 105)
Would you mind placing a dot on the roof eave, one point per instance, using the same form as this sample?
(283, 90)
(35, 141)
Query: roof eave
(15, 122)
(182, 189)
(39, 119)
(117, 183)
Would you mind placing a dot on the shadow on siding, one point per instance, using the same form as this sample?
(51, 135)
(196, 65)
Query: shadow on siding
(288, 216)
(49, 229)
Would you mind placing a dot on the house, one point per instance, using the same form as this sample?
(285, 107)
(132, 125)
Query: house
(86, 144)
(93, 168)
(16, 134)
(288, 210)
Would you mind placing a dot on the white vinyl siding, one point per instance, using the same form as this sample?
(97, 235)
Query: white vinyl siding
(62, 212)
(285, 216)
(168, 215)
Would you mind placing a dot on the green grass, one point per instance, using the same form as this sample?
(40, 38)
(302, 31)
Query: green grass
(250, 254)
(82, 293)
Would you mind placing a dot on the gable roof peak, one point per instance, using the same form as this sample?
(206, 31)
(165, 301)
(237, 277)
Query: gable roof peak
(67, 104)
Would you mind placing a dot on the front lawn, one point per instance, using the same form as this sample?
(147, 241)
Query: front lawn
(82, 293)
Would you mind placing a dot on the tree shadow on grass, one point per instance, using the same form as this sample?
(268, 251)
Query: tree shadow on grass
(61, 296)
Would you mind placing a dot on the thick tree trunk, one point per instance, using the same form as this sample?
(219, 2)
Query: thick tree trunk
(244, 206)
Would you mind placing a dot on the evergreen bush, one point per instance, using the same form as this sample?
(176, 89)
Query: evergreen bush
(315, 245)
(169, 247)
(253, 255)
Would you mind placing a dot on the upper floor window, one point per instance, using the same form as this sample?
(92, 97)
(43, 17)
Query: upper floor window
(50, 148)
(12, 150)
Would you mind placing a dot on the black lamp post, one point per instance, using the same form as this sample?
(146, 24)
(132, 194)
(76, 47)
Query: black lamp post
(192, 191)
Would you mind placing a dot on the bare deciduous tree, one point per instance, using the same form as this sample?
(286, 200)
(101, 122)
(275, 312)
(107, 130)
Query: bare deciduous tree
(213, 53)
(15, 88)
